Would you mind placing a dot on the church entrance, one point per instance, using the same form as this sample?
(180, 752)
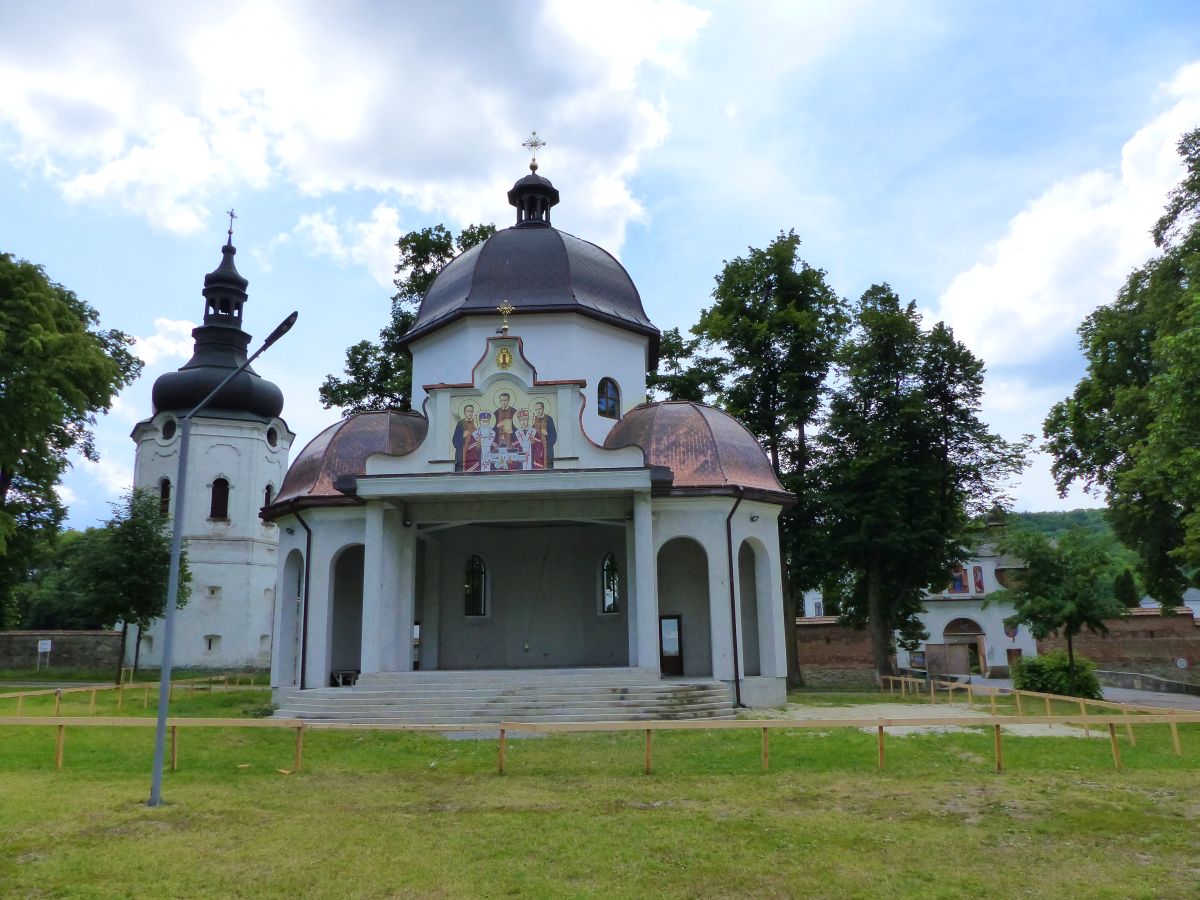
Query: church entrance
(670, 645)
(345, 635)
(524, 595)
(683, 598)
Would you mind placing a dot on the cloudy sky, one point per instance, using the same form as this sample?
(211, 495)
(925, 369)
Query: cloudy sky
(999, 162)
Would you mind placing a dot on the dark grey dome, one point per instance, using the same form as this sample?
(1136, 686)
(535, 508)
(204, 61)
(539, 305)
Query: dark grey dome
(219, 349)
(536, 268)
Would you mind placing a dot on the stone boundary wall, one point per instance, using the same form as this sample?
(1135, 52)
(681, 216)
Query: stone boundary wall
(834, 656)
(68, 649)
(1139, 681)
(1146, 641)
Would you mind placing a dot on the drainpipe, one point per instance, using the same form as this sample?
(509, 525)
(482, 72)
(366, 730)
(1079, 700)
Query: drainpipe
(737, 677)
(304, 600)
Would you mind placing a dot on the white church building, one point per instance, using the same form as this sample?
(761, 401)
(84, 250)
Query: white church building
(532, 514)
(238, 455)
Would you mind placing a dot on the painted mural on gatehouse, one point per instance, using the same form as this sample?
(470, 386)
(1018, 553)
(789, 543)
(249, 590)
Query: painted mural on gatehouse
(503, 429)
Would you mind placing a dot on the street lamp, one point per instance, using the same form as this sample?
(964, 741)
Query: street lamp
(164, 684)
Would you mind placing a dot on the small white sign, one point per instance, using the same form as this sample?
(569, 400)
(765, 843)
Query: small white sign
(1181, 662)
(43, 646)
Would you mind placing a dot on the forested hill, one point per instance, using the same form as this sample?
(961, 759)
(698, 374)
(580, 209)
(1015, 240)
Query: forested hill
(1057, 523)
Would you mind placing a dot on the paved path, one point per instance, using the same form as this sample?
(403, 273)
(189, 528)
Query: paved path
(1119, 695)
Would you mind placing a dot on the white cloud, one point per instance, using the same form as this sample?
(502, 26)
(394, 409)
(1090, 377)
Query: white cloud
(371, 244)
(172, 339)
(114, 477)
(65, 495)
(1072, 247)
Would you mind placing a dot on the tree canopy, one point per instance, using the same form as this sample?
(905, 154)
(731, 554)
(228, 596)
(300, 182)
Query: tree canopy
(378, 375)
(1066, 586)
(907, 469)
(58, 368)
(1131, 428)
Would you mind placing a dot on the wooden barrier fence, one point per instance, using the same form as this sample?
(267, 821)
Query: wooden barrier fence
(211, 682)
(879, 725)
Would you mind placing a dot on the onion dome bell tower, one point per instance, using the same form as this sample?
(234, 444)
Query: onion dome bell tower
(238, 454)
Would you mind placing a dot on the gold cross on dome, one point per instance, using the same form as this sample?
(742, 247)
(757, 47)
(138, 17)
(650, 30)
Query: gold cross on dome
(533, 144)
(505, 309)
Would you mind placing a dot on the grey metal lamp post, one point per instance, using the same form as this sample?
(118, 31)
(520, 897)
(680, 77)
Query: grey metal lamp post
(164, 685)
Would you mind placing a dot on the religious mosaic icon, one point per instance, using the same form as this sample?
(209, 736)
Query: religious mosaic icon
(505, 431)
(504, 358)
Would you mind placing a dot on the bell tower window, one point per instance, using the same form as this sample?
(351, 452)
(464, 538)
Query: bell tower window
(219, 507)
(608, 399)
(164, 497)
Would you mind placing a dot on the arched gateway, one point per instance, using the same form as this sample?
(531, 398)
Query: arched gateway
(515, 530)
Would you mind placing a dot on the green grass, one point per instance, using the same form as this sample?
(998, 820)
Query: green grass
(384, 814)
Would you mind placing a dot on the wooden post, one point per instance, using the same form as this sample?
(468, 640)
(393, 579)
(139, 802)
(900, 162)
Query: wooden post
(121, 697)
(171, 693)
(192, 689)
(879, 740)
(226, 682)
(1116, 749)
(20, 703)
(970, 696)
(992, 696)
(298, 756)
(1047, 706)
(57, 700)
(649, 736)
(932, 699)
(1087, 732)
(174, 748)
(92, 704)
(146, 697)
(1017, 694)
(766, 751)
(1129, 731)
(1175, 735)
(502, 751)
(58, 746)
(999, 750)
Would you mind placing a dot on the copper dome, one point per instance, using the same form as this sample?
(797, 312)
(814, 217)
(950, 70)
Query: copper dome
(342, 449)
(708, 451)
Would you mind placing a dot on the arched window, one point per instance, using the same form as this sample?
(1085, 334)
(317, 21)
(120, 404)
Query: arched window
(267, 492)
(610, 585)
(475, 588)
(164, 497)
(219, 508)
(608, 399)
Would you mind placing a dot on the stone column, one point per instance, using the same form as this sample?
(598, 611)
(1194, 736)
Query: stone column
(631, 591)
(401, 578)
(646, 596)
(719, 618)
(374, 551)
(431, 604)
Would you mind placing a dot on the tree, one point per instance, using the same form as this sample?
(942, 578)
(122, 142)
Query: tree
(682, 373)
(907, 470)
(37, 517)
(379, 375)
(774, 326)
(117, 573)
(1131, 428)
(1066, 586)
(1125, 590)
(57, 370)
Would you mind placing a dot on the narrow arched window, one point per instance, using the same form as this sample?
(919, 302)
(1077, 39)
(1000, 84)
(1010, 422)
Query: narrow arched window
(475, 588)
(164, 497)
(267, 495)
(608, 399)
(219, 508)
(610, 585)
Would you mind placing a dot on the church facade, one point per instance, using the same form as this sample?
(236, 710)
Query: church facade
(532, 512)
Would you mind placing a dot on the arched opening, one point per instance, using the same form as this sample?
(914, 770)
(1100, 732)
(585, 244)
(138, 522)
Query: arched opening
(748, 600)
(268, 491)
(610, 585)
(475, 592)
(685, 631)
(608, 399)
(345, 651)
(965, 652)
(164, 497)
(291, 614)
(219, 506)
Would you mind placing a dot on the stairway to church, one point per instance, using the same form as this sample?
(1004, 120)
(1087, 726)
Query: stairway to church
(474, 697)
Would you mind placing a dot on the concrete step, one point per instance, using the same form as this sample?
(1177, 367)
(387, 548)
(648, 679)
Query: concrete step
(351, 697)
(532, 717)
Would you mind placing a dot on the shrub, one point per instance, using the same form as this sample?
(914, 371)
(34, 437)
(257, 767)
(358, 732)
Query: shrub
(1050, 674)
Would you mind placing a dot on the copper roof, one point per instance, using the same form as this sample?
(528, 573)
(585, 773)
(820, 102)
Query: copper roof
(707, 450)
(342, 449)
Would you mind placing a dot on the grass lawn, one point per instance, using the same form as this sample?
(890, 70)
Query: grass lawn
(385, 814)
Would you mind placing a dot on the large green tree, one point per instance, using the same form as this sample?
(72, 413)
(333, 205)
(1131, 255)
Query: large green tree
(908, 470)
(1131, 428)
(58, 368)
(770, 338)
(378, 375)
(1066, 586)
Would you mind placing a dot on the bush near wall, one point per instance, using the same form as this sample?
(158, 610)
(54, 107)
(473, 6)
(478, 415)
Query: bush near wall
(1051, 674)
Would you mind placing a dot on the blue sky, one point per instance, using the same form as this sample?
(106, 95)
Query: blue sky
(1000, 163)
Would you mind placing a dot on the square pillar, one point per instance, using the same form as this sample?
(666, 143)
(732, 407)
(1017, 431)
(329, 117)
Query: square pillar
(374, 551)
(400, 578)
(646, 585)
(431, 604)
